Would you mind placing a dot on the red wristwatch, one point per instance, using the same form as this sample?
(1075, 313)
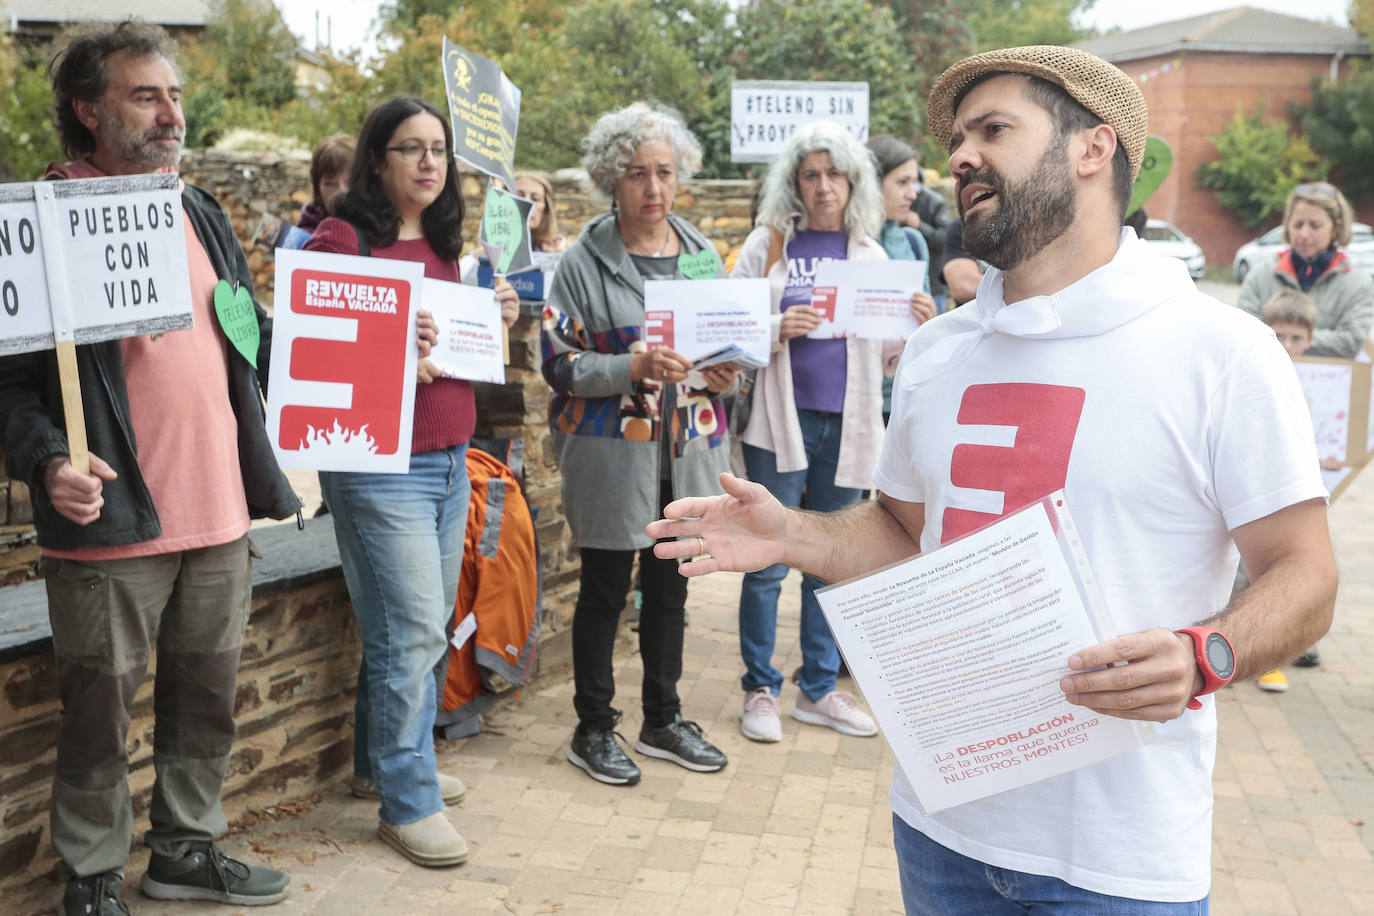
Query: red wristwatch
(1215, 659)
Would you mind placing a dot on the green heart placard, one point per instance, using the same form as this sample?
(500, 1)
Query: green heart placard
(502, 225)
(700, 266)
(1154, 168)
(238, 319)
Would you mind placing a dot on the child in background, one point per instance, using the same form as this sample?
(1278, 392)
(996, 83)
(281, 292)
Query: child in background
(1292, 315)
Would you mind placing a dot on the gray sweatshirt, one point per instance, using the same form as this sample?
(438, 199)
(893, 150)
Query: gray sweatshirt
(607, 429)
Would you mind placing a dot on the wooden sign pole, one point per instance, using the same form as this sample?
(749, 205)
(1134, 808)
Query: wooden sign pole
(63, 326)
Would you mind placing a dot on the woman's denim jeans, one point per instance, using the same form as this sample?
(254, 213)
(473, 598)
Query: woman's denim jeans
(401, 543)
(812, 488)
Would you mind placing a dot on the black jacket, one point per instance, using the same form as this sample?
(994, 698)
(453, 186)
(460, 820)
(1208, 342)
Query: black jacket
(33, 426)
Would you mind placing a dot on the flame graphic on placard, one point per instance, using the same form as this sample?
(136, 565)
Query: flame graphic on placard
(339, 440)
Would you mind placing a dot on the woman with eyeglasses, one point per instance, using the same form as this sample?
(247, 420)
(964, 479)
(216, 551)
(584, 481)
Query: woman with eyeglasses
(1316, 223)
(401, 536)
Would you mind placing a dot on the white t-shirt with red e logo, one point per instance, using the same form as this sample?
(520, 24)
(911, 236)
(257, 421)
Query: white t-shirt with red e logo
(1169, 419)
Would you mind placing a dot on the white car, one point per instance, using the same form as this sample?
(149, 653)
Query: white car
(1263, 249)
(1168, 239)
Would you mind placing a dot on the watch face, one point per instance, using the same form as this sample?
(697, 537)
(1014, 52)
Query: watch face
(1220, 656)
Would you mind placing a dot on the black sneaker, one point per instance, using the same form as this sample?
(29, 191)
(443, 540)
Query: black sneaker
(205, 873)
(600, 755)
(1308, 659)
(681, 742)
(95, 895)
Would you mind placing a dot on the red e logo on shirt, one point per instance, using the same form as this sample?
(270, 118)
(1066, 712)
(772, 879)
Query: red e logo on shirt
(1046, 419)
(350, 367)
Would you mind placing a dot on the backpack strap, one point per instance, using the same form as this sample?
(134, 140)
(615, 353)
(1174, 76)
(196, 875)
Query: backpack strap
(774, 249)
(364, 246)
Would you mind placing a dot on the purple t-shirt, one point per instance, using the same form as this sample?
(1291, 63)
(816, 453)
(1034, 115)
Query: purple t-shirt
(818, 366)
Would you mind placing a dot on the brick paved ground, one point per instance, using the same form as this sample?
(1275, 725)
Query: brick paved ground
(803, 826)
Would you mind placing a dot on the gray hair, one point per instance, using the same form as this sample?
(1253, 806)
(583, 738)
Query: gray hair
(781, 197)
(612, 141)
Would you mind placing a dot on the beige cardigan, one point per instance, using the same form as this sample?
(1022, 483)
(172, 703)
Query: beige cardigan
(773, 424)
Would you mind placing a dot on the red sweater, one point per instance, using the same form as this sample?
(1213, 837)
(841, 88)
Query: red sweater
(445, 412)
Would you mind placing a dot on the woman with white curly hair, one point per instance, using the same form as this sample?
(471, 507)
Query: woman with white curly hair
(633, 432)
(816, 426)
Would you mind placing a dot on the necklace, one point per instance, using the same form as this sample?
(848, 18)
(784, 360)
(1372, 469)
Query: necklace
(637, 249)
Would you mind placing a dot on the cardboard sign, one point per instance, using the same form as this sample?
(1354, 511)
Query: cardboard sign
(343, 357)
(1339, 394)
(484, 109)
(91, 259)
(469, 320)
(765, 113)
(505, 231)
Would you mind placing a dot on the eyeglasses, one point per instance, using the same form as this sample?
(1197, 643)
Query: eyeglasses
(1316, 190)
(414, 152)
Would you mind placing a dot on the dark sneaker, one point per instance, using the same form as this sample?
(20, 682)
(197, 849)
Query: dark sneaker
(600, 755)
(1308, 659)
(96, 895)
(681, 742)
(205, 873)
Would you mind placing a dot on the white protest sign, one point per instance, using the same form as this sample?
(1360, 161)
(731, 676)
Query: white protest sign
(343, 358)
(470, 326)
(105, 257)
(698, 317)
(765, 113)
(870, 299)
(960, 651)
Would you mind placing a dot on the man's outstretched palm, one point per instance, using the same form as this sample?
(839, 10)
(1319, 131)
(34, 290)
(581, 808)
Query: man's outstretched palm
(743, 531)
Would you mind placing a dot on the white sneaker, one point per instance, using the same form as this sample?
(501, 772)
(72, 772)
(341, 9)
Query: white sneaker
(431, 841)
(838, 710)
(759, 718)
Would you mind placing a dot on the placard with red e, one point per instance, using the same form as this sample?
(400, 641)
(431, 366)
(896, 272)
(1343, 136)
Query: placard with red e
(342, 393)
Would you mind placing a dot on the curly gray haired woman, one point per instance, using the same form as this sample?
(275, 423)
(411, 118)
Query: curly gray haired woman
(613, 140)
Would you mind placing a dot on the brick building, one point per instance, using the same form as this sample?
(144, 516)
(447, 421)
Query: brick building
(1196, 72)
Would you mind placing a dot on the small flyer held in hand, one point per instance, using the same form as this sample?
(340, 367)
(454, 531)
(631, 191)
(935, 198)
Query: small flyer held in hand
(959, 652)
(869, 299)
(698, 318)
(469, 320)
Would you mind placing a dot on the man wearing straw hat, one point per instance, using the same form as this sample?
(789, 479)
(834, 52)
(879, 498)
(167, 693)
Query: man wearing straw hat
(1090, 364)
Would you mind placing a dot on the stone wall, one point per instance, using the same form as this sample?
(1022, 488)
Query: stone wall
(293, 708)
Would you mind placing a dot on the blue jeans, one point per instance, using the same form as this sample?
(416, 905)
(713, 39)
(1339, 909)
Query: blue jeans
(937, 880)
(401, 543)
(813, 488)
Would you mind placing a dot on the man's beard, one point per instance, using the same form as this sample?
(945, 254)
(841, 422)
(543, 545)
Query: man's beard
(134, 146)
(1029, 215)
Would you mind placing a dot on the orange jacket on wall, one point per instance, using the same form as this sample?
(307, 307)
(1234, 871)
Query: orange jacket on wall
(495, 617)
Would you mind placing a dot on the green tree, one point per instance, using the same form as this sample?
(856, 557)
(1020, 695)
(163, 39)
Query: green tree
(1009, 23)
(1339, 122)
(28, 140)
(1258, 163)
(240, 71)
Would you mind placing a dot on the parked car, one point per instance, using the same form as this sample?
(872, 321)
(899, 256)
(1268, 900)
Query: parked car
(1166, 238)
(1263, 249)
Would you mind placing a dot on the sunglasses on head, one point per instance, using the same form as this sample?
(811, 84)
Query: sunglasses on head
(1319, 190)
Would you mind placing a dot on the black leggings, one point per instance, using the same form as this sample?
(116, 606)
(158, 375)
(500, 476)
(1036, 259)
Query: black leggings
(605, 583)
